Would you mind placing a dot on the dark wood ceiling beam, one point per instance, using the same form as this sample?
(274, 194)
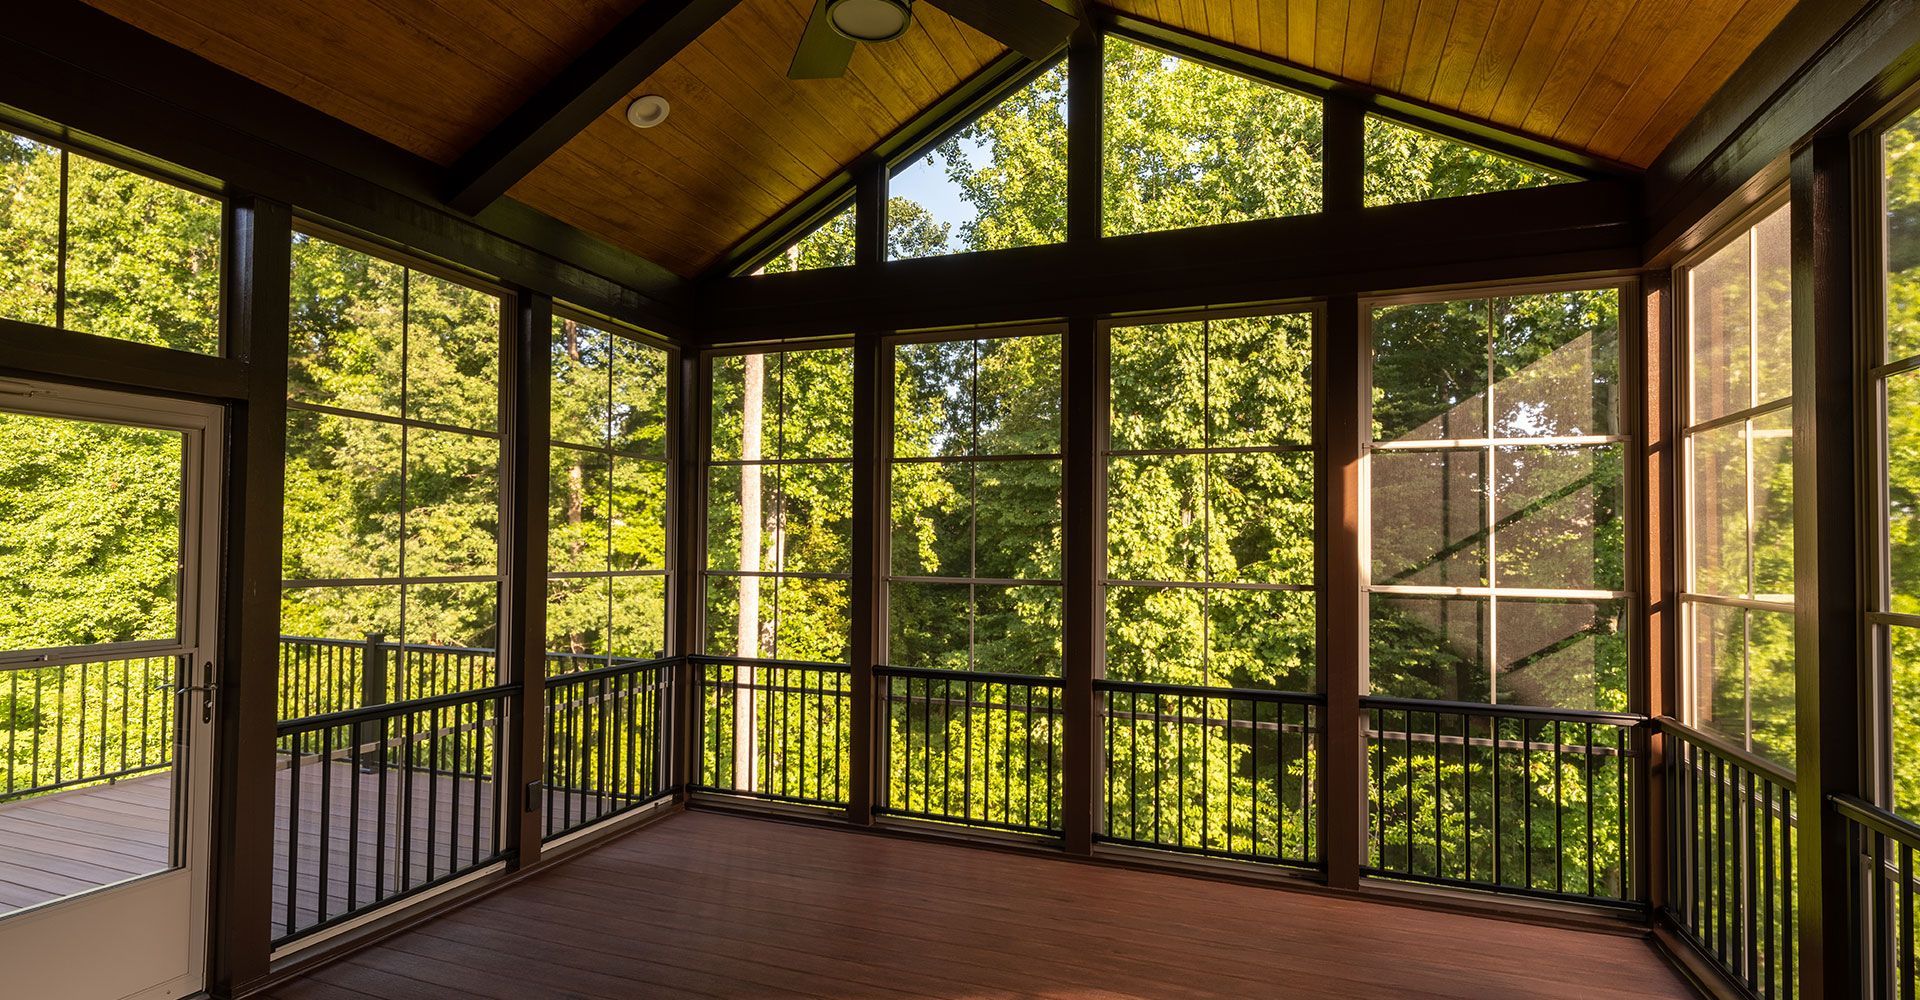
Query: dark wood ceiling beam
(620, 61)
(1580, 228)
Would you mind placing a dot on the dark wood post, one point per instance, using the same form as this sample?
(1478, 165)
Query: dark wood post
(373, 685)
(1657, 494)
(1342, 418)
(1082, 774)
(864, 773)
(259, 249)
(1086, 82)
(523, 615)
(688, 459)
(1828, 653)
(1343, 423)
(870, 213)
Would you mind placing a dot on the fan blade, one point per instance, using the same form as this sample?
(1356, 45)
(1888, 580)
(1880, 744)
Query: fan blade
(1034, 28)
(823, 53)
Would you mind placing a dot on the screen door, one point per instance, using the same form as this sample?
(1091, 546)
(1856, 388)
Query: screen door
(107, 549)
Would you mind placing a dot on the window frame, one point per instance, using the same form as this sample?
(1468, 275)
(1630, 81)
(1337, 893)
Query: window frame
(671, 466)
(1686, 429)
(1316, 312)
(69, 143)
(502, 435)
(1626, 437)
(704, 463)
(1877, 617)
(886, 579)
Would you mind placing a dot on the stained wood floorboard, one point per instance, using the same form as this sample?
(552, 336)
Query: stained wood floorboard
(707, 905)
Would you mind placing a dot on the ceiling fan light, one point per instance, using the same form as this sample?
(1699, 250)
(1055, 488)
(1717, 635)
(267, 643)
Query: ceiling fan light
(870, 20)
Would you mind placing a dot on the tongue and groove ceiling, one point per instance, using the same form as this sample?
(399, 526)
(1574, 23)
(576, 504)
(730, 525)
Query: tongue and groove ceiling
(1616, 79)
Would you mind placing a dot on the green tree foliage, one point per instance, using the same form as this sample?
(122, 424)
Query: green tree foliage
(831, 245)
(1902, 306)
(1190, 145)
(392, 490)
(1405, 164)
(607, 497)
(141, 257)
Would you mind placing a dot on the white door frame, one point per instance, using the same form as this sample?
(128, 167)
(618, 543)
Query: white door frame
(145, 937)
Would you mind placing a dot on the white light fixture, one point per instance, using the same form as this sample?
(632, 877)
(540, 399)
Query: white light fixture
(648, 111)
(870, 20)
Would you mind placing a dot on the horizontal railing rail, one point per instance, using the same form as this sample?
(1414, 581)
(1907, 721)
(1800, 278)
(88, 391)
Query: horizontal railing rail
(1223, 772)
(973, 748)
(773, 729)
(609, 742)
(322, 676)
(376, 804)
(1881, 895)
(1510, 799)
(72, 724)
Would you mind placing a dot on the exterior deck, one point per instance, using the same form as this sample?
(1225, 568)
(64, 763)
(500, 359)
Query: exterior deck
(702, 904)
(72, 841)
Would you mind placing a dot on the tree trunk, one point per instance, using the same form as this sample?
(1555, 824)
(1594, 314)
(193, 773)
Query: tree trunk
(747, 630)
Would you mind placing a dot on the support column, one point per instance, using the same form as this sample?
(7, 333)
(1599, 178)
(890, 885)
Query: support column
(1342, 431)
(866, 774)
(258, 248)
(1829, 657)
(1086, 83)
(524, 605)
(1655, 690)
(689, 558)
(1082, 770)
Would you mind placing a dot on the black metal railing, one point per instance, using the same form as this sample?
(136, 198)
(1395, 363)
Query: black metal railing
(773, 729)
(1881, 895)
(1510, 799)
(376, 804)
(1730, 863)
(323, 676)
(973, 748)
(1223, 772)
(73, 724)
(609, 742)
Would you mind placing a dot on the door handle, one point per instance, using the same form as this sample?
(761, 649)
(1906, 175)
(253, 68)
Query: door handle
(206, 689)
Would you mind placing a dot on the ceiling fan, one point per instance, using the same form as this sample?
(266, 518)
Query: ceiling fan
(1034, 28)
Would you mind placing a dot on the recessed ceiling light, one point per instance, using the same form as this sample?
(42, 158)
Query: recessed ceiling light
(648, 111)
(870, 20)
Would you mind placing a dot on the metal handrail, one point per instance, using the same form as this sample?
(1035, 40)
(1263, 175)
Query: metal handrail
(1622, 719)
(374, 713)
(1746, 759)
(987, 676)
(1895, 828)
(1203, 691)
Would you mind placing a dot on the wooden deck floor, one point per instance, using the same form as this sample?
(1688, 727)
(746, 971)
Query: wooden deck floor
(69, 842)
(719, 906)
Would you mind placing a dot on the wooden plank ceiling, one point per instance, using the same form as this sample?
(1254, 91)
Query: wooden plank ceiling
(1613, 78)
(1617, 79)
(744, 142)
